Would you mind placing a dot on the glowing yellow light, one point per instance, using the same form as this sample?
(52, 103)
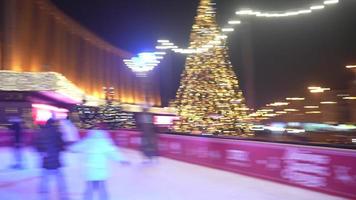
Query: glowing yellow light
(245, 12)
(311, 107)
(269, 115)
(317, 7)
(349, 98)
(313, 112)
(304, 11)
(266, 110)
(328, 2)
(314, 88)
(227, 29)
(318, 89)
(351, 66)
(234, 22)
(163, 41)
(328, 102)
(279, 104)
(281, 112)
(291, 110)
(295, 98)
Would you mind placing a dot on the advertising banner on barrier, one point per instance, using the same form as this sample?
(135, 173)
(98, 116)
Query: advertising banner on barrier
(326, 170)
(7, 138)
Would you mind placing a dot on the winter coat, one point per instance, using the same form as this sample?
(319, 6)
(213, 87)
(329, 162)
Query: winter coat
(69, 131)
(97, 148)
(16, 128)
(50, 144)
(149, 136)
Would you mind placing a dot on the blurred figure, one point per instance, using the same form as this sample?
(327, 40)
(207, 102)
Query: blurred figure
(16, 128)
(50, 145)
(98, 149)
(69, 131)
(149, 136)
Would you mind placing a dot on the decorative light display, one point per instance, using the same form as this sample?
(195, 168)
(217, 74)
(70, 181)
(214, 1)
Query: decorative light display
(300, 106)
(164, 44)
(314, 89)
(295, 98)
(109, 113)
(113, 115)
(140, 66)
(349, 98)
(87, 116)
(311, 107)
(276, 104)
(207, 60)
(209, 98)
(144, 62)
(39, 82)
(289, 12)
(328, 102)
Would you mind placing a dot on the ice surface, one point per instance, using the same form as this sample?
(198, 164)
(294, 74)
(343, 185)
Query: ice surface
(166, 180)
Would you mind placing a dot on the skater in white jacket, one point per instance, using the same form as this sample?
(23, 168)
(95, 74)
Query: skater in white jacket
(97, 148)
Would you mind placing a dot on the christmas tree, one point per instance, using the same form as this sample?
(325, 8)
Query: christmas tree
(86, 115)
(209, 98)
(109, 113)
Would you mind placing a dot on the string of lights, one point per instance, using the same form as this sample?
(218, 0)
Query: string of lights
(230, 27)
(288, 13)
(165, 45)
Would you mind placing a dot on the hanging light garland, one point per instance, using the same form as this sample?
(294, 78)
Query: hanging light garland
(165, 45)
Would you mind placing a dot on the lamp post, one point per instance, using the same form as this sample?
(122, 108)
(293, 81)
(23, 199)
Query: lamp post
(142, 65)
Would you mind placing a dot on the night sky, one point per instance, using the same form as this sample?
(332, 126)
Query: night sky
(273, 58)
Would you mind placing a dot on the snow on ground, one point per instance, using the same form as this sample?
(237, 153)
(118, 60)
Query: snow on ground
(166, 180)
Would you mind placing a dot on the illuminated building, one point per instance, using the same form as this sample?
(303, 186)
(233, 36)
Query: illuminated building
(48, 58)
(35, 36)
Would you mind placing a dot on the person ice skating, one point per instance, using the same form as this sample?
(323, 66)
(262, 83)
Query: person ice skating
(50, 145)
(16, 128)
(149, 136)
(69, 131)
(97, 148)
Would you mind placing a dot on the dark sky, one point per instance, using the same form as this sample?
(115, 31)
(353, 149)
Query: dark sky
(273, 58)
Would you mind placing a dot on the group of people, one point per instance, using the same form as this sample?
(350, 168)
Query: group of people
(57, 136)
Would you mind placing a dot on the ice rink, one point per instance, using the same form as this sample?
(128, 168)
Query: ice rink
(166, 180)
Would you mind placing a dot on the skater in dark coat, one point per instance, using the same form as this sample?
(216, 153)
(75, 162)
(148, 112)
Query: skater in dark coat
(16, 128)
(50, 145)
(149, 136)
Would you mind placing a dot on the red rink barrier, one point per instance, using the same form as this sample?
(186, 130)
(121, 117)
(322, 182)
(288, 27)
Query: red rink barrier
(321, 169)
(327, 170)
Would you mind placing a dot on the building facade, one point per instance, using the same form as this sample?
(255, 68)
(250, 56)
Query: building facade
(37, 37)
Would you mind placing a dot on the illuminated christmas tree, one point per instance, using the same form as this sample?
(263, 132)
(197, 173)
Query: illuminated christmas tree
(110, 113)
(209, 98)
